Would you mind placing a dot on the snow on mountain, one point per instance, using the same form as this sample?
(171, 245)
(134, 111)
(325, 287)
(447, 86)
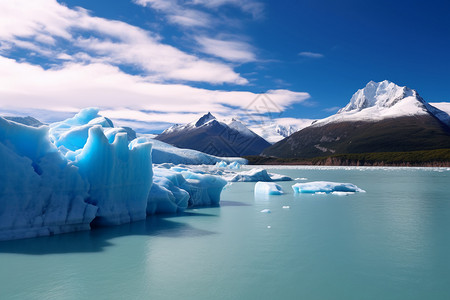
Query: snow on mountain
(441, 111)
(444, 106)
(382, 100)
(211, 136)
(280, 128)
(381, 117)
(240, 127)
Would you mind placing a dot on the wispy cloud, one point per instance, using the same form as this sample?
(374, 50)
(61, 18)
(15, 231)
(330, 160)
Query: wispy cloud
(235, 51)
(73, 86)
(179, 14)
(37, 26)
(332, 109)
(311, 54)
(255, 8)
(204, 19)
(84, 60)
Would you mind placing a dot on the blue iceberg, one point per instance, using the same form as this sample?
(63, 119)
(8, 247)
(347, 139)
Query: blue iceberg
(268, 188)
(326, 187)
(82, 171)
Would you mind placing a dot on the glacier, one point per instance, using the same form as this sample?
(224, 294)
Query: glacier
(84, 171)
(40, 192)
(326, 187)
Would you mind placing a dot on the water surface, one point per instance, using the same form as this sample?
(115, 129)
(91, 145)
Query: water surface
(392, 242)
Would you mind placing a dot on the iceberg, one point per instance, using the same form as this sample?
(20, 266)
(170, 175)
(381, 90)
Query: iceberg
(119, 177)
(268, 188)
(326, 187)
(221, 164)
(235, 165)
(40, 193)
(254, 175)
(163, 153)
(166, 195)
(83, 171)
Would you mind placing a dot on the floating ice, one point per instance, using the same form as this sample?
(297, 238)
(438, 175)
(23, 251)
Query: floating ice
(342, 193)
(325, 187)
(257, 175)
(286, 206)
(119, 178)
(221, 164)
(235, 165)
(268, 188)
(204, 189)
(40, 193)
(82, 171)
(163, 153)
(266, 210)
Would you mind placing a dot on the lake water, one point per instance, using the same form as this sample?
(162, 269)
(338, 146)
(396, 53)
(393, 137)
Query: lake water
(392, 242)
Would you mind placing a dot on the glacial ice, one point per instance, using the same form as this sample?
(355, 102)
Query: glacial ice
(119, 178)
(325, 187)
(82, 171)
(268, 188)
(257, 175)
(163, 153)
(41, 194)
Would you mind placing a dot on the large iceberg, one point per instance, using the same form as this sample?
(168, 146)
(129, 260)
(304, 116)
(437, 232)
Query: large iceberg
(82, 171)
(119, 178)
(325, 187)
(40, 193)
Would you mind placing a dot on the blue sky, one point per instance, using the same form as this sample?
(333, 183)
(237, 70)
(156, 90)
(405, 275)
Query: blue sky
(163, 62)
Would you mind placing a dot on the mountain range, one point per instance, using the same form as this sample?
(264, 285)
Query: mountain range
(381, 117)
(214, 137)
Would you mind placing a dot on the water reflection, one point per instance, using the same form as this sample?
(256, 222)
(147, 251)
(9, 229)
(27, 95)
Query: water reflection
(98, 239)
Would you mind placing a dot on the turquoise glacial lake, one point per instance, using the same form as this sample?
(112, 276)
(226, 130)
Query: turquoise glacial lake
(392, 242)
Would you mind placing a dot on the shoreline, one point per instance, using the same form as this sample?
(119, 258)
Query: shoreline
(426, 158)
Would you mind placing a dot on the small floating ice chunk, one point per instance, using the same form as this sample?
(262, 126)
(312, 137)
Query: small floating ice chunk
(268, 226)
(234, 165)
(254, 175)
(286, 207)
(266, 210)
(325, 187)
(268, 188)
(221, 164)
(342, 193)
(301, 178)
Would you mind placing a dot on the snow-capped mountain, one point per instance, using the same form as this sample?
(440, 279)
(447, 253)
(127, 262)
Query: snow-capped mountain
(279, 129)
(380, 117)
(383, 100)
(211, 136)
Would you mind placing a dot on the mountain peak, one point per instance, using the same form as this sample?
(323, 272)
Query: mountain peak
(204, 119)
(384, 94)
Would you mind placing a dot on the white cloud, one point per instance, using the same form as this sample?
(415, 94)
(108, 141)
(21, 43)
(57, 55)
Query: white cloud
(73, 86)
(35, 25)
(235, 51)
(311, 54)
(84, 54)
(254, 8)
(179, 14)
